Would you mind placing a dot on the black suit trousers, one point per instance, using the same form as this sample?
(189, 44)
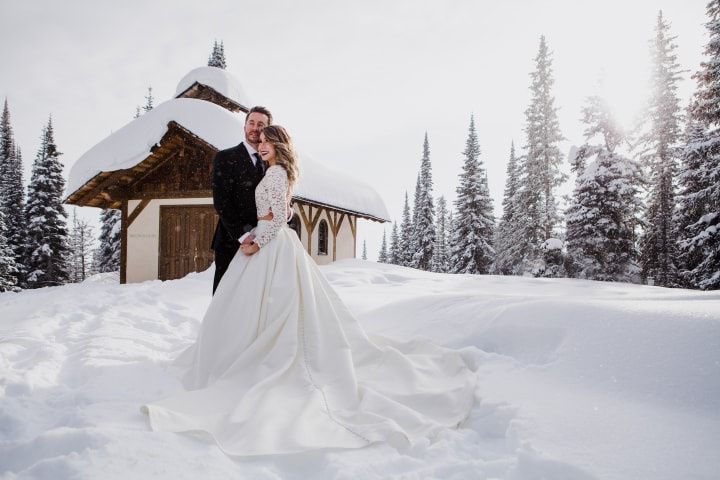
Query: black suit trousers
(223, 257)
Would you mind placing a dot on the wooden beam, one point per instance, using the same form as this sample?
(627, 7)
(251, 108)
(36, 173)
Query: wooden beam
(308, 228)
(133, 195)
(353, 228)
(136, 211)
(335, 227)
(333, 221)
(310, 224)
(97, 189)
(153, 168)
(123, 242)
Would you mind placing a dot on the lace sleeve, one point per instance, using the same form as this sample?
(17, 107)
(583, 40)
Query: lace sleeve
(277, 187)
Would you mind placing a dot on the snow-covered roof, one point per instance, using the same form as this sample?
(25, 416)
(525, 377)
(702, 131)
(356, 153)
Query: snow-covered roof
(219, 80)
(222, 129)
(331, 187)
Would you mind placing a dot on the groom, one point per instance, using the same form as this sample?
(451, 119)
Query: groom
(236, 173)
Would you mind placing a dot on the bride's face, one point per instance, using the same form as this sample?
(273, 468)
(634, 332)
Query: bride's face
(266, 150)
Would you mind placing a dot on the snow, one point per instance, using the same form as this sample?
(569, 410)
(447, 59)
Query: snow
(553, 244)
(222, 129)
(332, 187)
(219, 80)
(577, 380)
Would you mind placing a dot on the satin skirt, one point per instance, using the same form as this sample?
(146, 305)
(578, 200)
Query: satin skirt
(282, 366)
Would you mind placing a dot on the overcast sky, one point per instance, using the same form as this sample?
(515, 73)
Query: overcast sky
(357, 84)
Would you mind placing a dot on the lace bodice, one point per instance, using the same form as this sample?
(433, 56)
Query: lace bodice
(271, 194)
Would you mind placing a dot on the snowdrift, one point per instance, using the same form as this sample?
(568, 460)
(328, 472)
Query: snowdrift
(578, 379)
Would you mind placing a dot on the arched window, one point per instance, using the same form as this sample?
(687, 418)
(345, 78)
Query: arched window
(323, 238)
(295, 225)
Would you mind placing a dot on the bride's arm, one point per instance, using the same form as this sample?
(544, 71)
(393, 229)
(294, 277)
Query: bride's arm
(277, 188)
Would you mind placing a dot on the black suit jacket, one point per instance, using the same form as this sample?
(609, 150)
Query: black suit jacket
(234, 182)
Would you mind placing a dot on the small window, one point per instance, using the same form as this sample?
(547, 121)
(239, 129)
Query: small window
(323, 238)
(295, 225)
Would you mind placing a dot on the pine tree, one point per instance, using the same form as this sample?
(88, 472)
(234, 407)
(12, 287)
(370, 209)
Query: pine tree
(508, 256)
(441, 257)
(80, 243)
(450, 229)
(109, 249)
(8, 265)
(700, 178)
(692, 200)
(600, 235)
(404, 250)
(424, 224)
(217, 57)
(540, 171)
(364, 251)
(46, 246)
(394, 256)
(383, 254)
(12, 199)
(149, 101)
(471, 248)
(660, 153)
(413, 244)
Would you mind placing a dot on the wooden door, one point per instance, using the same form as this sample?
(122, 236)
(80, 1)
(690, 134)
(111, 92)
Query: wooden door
(186, 232)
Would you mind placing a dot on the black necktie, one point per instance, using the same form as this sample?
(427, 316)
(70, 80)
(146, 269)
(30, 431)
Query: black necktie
(258, 164)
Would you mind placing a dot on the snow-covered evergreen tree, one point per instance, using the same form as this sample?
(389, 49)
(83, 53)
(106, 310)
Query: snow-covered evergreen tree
(659, 152)
(540, 169)
(412, 245)
(8, 265)
(508, 254)
(383, 254)
(474, 223)
(405, 244)
(441, 255)
(109, 249)
(424, 224)
(46, 246)
(149, 101)
(692, 200)
(605, 205)
(553, 260)
(364, 251)
(393, 255)
(12, 198)
(80, 243)
(450, 229)
(699, 214)
(217, 57)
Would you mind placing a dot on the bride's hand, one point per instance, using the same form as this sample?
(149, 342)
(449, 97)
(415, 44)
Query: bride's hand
(250, 248)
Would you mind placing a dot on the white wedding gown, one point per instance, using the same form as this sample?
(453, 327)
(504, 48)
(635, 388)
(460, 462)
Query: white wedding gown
(281, 365)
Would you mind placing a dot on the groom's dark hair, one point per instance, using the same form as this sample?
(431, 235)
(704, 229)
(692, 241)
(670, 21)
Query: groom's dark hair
(262, 110)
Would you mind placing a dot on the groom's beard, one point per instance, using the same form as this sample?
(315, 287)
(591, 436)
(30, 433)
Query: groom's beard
(253, 138)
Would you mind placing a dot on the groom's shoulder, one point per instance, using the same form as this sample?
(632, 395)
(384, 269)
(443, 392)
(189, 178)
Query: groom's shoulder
(238, 149)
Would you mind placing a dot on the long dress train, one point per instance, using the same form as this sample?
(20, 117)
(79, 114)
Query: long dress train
(281, 365)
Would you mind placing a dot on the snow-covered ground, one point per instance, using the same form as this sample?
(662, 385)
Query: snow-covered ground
(578, 379)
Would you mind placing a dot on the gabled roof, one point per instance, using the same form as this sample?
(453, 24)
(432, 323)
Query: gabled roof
(217, 79)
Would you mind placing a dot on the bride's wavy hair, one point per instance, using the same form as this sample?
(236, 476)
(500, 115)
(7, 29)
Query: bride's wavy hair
(284, 152)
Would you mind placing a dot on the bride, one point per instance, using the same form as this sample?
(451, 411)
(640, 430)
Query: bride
(280, 364)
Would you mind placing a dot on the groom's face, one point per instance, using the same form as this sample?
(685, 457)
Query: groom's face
(254, 124)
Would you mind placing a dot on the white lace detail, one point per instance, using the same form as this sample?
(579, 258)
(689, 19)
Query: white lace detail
(271, 194)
